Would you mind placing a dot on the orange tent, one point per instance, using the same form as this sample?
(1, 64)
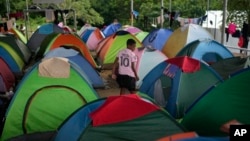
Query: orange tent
(65, 40)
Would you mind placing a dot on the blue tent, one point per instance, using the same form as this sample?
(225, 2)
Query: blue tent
(80, 120)
(174, 88)
(110, 29)
(82, 125)
(86, 34)
(77, 59)
(6, 56)
(207, 50)
(39, 35)
(157, 38)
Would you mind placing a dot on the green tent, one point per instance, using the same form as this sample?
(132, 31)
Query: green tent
(178, 82)
(225, 102)
(46, 96)
(228, 66)
(18, 34)
(6, 50)
(141, 35)
(17, 45)
(119, 118)
(108, 48)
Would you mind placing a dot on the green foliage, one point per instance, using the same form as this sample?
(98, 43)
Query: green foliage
(238, 11)
(98, 12)
(83, 10)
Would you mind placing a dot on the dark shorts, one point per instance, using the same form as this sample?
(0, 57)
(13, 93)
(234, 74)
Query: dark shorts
(126, 81)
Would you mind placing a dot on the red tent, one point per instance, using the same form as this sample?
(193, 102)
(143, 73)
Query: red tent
(126, 107)
(186, 63)
(7, 76)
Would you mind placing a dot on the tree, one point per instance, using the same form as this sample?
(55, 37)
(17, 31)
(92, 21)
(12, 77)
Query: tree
(83, 10)
(238, 11)
(15, 5)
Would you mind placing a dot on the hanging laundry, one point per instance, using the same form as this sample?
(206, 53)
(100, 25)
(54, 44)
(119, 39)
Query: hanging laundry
(231, 28)
(184, 21)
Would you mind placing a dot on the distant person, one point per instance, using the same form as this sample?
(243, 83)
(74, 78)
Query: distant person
(115, 21)
(124, 68)
(2, 31)
(245, 36)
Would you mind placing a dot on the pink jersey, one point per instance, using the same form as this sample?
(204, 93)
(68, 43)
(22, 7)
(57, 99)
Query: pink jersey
(126, 57)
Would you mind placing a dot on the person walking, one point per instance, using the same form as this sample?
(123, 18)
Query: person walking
(124, 71)
(245, 37)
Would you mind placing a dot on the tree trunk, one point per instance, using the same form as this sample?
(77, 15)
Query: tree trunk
(64, 19)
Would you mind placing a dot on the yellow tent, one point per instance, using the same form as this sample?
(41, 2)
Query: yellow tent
(182, 36)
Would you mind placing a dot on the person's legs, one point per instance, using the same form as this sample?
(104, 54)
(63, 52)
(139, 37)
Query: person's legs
(132, 92)
(122, 80)
(122, 91)
(132, 85)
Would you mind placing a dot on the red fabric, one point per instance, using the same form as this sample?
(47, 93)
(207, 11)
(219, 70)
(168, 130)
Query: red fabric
(180, 136)
(231, 28)
(120, 109)
(241, 41)
(186, 63)
(7, 75)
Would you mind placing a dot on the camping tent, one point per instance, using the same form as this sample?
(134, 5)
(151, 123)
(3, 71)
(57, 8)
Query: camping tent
(91, 37)
(131, 29)
(127, 117)
(38, 36)
(141, 35)
(206, 139)
(148, 58)
(75, 57)
(111, 29)
(157, 38)
(7, 78)
(182, 36)
(228, 66)
(17, 45)
(51, 91)
(109, 47)
(207, 50)
(191, 136)
(223, 103)
(18, 34)
(83, 28)
(57, 40)
(11, 57)
(176, 83)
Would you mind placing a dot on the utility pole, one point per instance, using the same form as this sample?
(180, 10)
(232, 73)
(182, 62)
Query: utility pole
(8, 9)
(132, 15)
(26, 15)
(162, 12)
(170, 9)
(207, 11)
(224, 21)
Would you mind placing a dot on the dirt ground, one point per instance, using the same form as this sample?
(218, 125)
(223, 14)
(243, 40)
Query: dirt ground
(111, 87)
